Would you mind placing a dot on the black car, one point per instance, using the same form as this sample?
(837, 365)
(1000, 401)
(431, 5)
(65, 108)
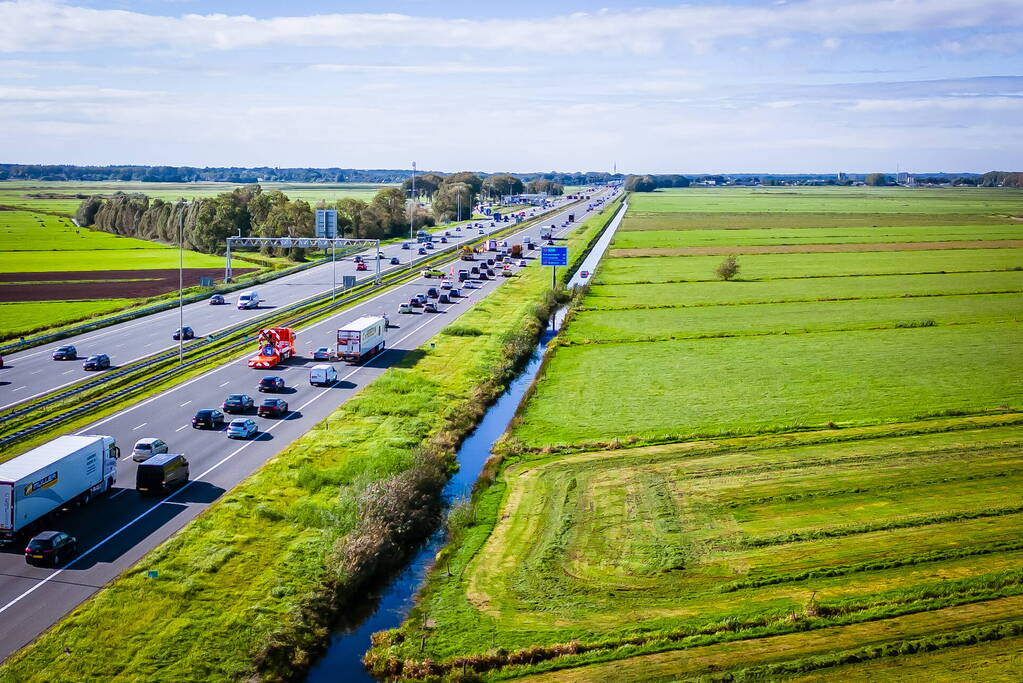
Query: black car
(237, 403)
(421, 251)
(475, 270)
(65, 353)
(395, 261)
(273, 407)
(432, 293)
(415, 302)
(51, 547)
(97, 362)
(184, 333)
(217, 300)
(271, 383)
(209, 418)
(443, 299)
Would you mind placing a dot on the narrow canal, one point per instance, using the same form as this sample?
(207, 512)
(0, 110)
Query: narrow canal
(387, 609)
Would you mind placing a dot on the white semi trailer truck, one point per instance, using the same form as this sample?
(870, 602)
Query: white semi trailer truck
(362, 338)
(69, 470)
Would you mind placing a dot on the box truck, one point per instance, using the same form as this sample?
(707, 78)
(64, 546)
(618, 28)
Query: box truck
(361, 338)
(67, 471)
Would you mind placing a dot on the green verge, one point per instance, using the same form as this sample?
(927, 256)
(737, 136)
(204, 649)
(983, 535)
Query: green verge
(251, 586)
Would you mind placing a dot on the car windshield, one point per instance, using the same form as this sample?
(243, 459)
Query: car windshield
(40, 544)
(235, 397)
(142, 447)
(269, 380)
(64, 348)
(204, 413)
(93, 357)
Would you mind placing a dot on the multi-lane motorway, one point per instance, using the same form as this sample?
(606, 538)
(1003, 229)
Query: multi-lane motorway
(116, 531)
(31, 373)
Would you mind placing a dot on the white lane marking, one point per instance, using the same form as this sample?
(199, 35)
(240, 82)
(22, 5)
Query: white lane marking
(67, 373)
(140, 426)
(185, 403)
(35, 373)
(180, 428)
(18, 389)
(225, 384)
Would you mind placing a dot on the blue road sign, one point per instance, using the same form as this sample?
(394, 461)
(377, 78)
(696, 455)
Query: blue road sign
(326, 223)
(553, 256)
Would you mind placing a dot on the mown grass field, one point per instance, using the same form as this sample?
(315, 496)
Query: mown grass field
(836, 489)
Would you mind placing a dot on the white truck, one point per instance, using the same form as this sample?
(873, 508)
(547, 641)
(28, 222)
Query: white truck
(249, 300)
(546, 233)
(491, 245)
(67, 471)
(361, 338)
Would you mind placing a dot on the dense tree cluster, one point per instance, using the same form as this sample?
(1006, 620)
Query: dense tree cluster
(877, 179)
(247, 211)
(552, 188)
(649, 183)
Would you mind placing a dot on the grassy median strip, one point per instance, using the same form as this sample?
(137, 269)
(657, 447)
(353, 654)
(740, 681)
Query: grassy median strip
(252, 584)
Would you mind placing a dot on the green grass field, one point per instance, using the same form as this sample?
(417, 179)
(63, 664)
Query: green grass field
(24, 317)
(837, 488)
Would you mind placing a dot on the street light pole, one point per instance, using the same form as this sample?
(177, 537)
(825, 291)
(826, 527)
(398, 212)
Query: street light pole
(412, 216)
(181, 288)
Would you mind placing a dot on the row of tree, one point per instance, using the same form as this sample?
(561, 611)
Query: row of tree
(205, 224)
(649, 183)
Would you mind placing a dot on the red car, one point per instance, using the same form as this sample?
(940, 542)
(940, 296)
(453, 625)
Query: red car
(361, 266)
(273, 407)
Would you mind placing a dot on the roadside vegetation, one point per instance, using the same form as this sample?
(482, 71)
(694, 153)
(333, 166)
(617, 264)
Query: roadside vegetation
(251, 586)
(806, 472)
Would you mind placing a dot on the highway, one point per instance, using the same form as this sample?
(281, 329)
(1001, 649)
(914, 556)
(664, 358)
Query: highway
(116, 531)
(32, 372)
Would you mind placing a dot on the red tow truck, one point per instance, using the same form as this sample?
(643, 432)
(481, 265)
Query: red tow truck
(276, 344)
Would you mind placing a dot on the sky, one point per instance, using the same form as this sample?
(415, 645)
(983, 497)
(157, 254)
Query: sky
(782, 86)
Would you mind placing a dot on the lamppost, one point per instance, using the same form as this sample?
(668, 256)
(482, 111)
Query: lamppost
(181, 288)
(412, 216)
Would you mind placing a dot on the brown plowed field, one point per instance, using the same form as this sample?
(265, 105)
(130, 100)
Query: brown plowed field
(817, 248)
(110, 284)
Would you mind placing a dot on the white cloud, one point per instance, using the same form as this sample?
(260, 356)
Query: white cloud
(779, 43)
(49, 25)
(70, 92)
(431, 69)
(832, 43)
(1007, 43)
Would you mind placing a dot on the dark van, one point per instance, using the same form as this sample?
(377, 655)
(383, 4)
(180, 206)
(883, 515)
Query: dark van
(161, 473)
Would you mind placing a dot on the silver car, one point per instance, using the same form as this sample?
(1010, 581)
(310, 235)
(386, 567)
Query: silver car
(147, 448)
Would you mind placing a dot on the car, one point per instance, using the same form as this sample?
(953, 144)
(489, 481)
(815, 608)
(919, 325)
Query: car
(421, 251)
(406, 245)
(98, 361)
(65, 353)
(237, 403)
(429, 245)
(208, 418)
(271, 383)
(184, 333)
(470, 284)
(443, 299)
(431, 272)
(455, 292)
(458, 228)
(507, 272)
(217, 300)
(446, 284)
(51, 547)
(505, 243)
(421, 297)
(490, 261)
(414, 302)
(242, 428)
(482, 275)
(443, 240)
(522, 263)
(322, 353)
(379, 256)
(584, 274)
(447, 233)
(405, 308)
(481, 229)
(432, 293)
(361, 266)
(146, 448)
(395, 261)
(358, 258)
(273, 407)
(430, 307)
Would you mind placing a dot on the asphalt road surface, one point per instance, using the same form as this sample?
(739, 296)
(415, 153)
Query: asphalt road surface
(32, 372)
(116, 531)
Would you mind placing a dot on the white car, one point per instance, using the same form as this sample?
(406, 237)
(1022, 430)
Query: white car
(242, 428)
(522, 263)
(147, 448)
(405, 308)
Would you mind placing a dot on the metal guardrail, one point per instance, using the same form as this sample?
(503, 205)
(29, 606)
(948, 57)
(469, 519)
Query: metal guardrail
(394, 278)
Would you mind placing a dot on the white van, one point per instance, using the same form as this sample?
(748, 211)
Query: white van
(248, 300)
(322, 375)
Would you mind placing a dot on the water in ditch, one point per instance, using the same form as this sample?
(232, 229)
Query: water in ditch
(388, 607)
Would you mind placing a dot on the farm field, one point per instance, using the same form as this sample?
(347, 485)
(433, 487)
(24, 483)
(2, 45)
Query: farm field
(811, 472)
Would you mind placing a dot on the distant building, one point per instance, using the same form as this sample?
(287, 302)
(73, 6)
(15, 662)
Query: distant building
(843, 176)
